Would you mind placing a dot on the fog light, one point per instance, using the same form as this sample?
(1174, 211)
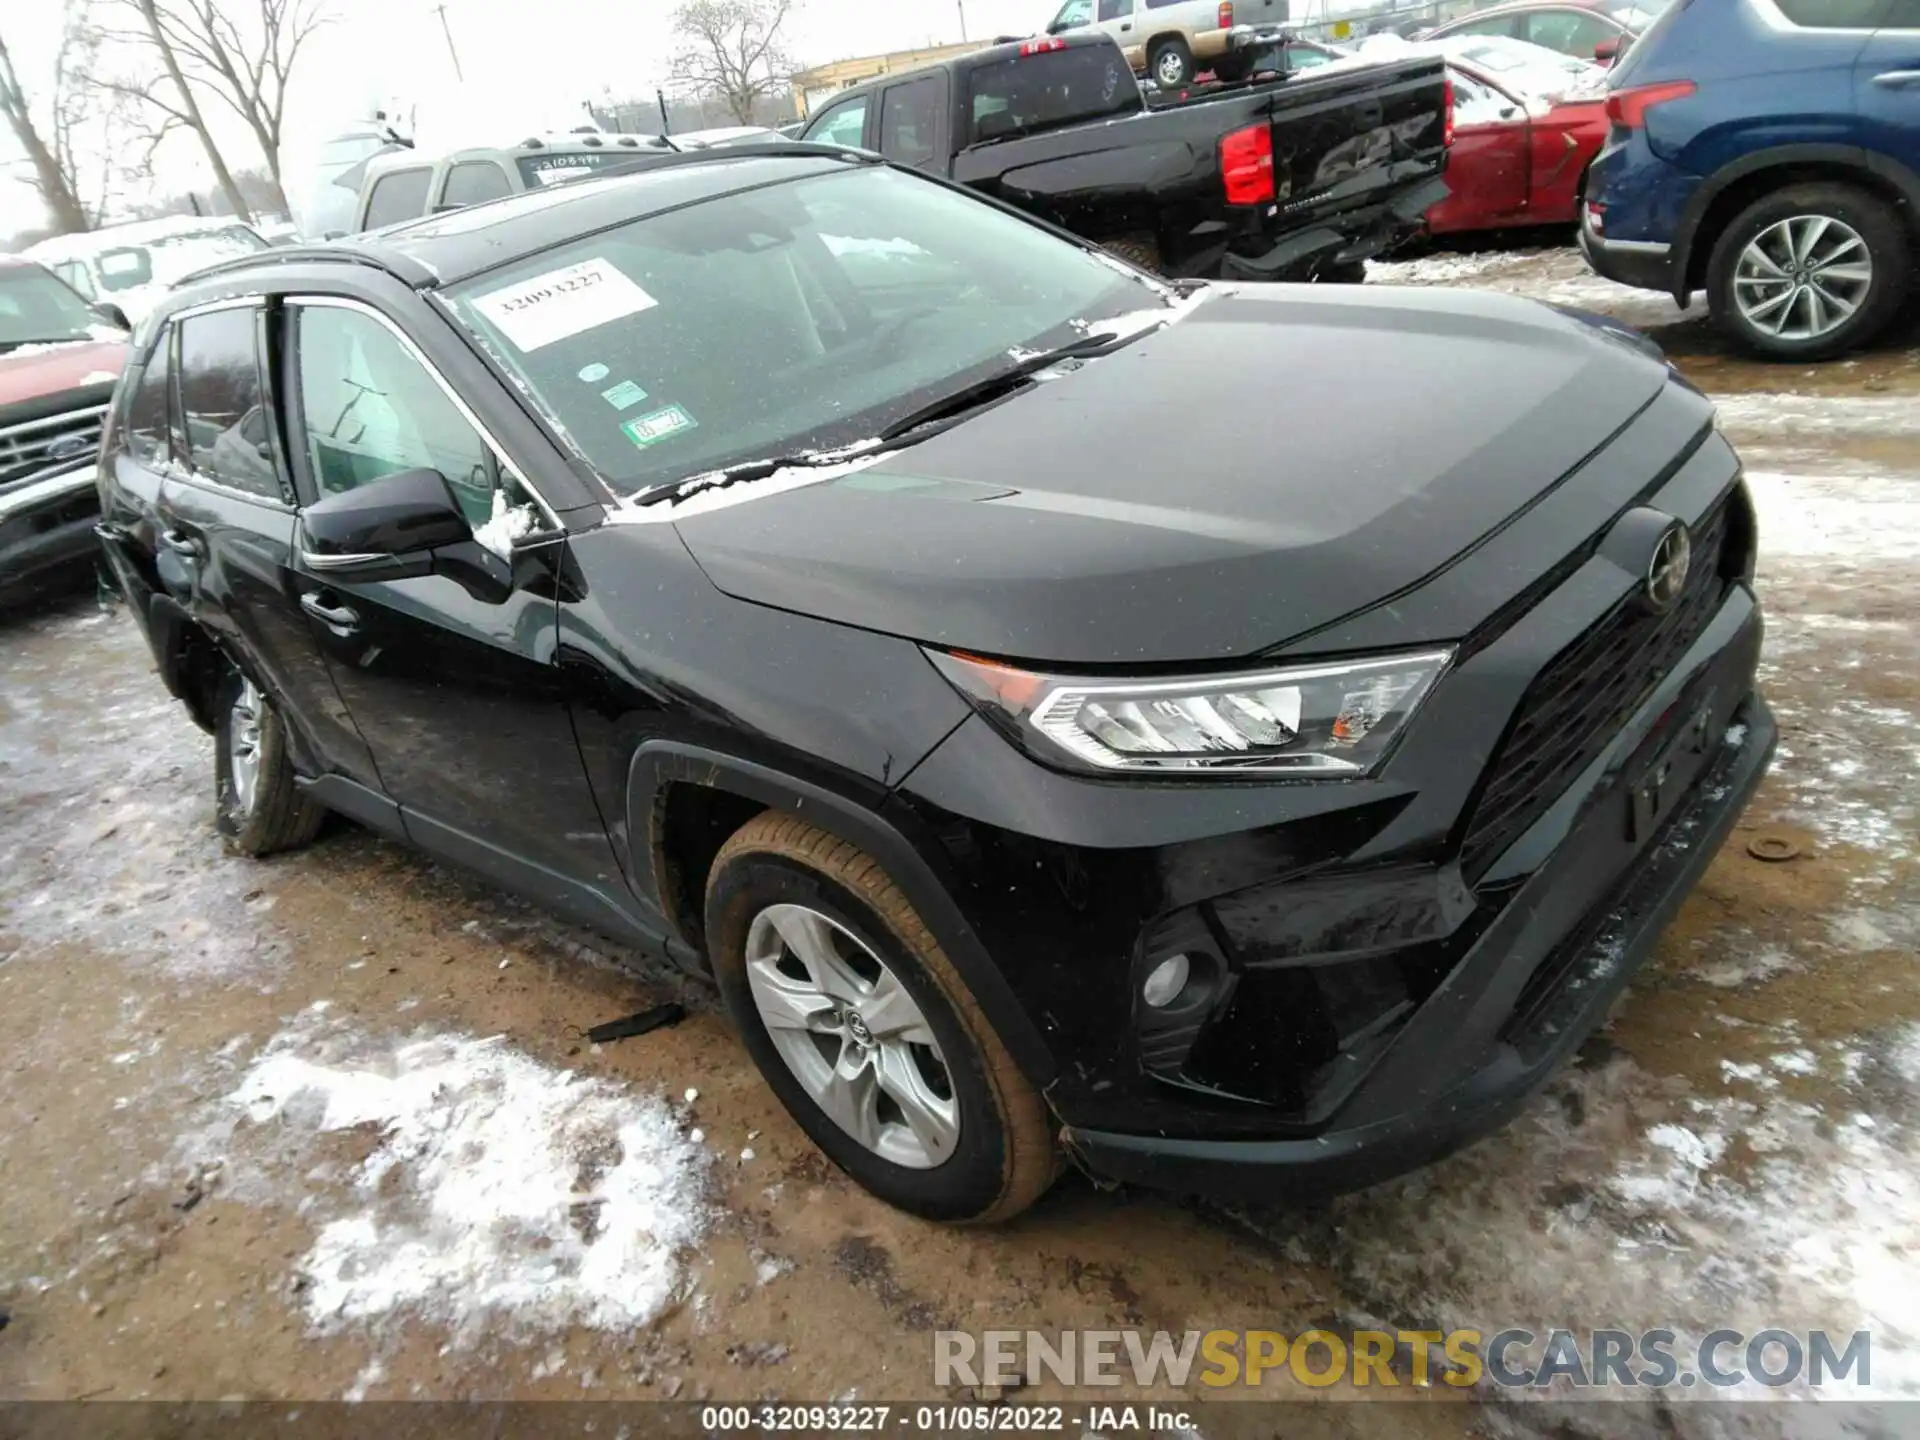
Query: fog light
(1165, 982)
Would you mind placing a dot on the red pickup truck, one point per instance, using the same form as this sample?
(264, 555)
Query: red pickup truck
(59, 359)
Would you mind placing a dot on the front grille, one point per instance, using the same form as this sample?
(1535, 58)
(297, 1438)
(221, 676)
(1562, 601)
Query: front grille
(1579, 702)
(35, 444)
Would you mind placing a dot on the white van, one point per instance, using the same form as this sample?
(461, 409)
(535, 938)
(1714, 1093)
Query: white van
(1170, 41)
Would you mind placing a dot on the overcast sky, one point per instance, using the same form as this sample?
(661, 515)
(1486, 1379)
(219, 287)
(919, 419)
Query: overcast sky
(515, 54)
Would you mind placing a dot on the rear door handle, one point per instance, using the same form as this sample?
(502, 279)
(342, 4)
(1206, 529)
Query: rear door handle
(183, 545)
(1897, 79)
(337, 618)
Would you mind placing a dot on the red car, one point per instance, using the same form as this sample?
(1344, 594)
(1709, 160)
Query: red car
(1588, 29)
(1517, 159)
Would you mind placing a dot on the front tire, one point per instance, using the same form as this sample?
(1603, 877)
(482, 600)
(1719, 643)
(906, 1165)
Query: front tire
(1810, 272)
(258, 808)
(862, 1027)
(1171, 64)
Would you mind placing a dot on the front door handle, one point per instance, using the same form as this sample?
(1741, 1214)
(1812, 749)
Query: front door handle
(184, 546)
(1897, 79)
(338, 618)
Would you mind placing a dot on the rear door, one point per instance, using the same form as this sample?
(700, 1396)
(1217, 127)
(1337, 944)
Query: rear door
(1887, 82)
(913, 122)
(451, 677)
(227, 527)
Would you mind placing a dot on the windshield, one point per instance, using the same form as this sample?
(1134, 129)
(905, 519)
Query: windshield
(35, 308)
(172, 257)
(804, 315)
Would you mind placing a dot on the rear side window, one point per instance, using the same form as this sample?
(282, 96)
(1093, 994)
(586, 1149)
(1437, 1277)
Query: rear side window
(398, 195)
(1833, 14)
(472, 181)
(221, 405)
(1053, 87)
(907, 117)
(147, 412)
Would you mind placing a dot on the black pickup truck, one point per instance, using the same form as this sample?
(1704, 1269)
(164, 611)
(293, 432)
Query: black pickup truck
(1295, 177)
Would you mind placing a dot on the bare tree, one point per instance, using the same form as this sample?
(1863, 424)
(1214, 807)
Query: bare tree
(54, 181)
(247, 65)
(95, 132)
(173, 105)
(732, 48)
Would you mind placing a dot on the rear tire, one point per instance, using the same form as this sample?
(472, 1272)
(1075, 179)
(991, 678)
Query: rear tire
(1786, 305)
(805, 928)
(1170, 63)
(258, 808)
(1140, 250)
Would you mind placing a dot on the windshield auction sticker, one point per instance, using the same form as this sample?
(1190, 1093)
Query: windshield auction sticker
(560, 303)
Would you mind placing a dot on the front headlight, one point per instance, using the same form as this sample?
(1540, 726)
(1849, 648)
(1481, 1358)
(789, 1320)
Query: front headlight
(1331, 719)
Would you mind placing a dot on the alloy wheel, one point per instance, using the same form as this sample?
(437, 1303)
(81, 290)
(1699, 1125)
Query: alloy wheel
(1802, 278)
(243, 745)
(1171, 69)
(852, 1035)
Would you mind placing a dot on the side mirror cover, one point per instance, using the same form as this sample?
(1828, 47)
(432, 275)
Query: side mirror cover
(1607, 51)
(112, 314)
(384, 529)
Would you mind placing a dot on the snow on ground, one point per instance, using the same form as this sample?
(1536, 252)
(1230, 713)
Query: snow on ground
(496, 1193)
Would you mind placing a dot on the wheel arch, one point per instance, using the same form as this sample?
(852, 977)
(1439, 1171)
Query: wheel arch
(1738, 185)
(661, 810)
(189, 659)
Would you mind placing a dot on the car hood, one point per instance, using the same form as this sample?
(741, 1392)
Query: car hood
(1282, 457)
(38, 372)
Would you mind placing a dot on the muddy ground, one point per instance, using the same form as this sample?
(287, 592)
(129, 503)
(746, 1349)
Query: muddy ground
(327, 1126)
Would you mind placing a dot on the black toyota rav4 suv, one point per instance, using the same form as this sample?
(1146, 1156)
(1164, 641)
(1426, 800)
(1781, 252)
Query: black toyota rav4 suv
(806, 567)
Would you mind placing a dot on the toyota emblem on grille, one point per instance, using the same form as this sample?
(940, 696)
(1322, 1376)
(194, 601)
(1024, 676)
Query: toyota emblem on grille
(1667, 571)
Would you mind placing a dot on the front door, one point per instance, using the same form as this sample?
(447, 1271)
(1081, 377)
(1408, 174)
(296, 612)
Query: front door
(226, 522)
(451, 677)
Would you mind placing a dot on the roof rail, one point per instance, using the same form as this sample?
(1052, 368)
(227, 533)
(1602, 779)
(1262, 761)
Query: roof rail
(403, 268)
(758, 150)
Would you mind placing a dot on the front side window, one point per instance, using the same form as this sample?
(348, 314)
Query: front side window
(473, 181)
(844, 124)
(148, 413)
(36, 309)
(907, 117)
(800, 315)
(221, 404)
(369, 408)
(1073, 15)
(1492, 25)
(398, 195)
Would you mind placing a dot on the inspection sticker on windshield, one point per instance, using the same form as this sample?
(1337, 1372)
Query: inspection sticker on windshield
(660, 425)
(560, 303)
(624, 396)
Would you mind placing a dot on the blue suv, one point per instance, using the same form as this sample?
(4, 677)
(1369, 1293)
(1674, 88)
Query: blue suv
(1767, 152)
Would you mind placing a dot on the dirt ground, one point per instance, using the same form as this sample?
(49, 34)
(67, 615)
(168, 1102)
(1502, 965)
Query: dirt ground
(320, 1127)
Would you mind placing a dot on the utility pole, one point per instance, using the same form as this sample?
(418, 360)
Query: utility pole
(447, 30)
(962, 5)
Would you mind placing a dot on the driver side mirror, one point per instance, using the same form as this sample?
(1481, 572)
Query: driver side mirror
(386, 529)
(1607, 51)
(112, 314)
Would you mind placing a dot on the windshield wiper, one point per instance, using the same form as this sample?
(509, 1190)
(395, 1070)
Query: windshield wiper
(1002, 382)
(947, 408)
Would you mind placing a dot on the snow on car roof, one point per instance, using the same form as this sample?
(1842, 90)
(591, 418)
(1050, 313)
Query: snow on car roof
(137, 232)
